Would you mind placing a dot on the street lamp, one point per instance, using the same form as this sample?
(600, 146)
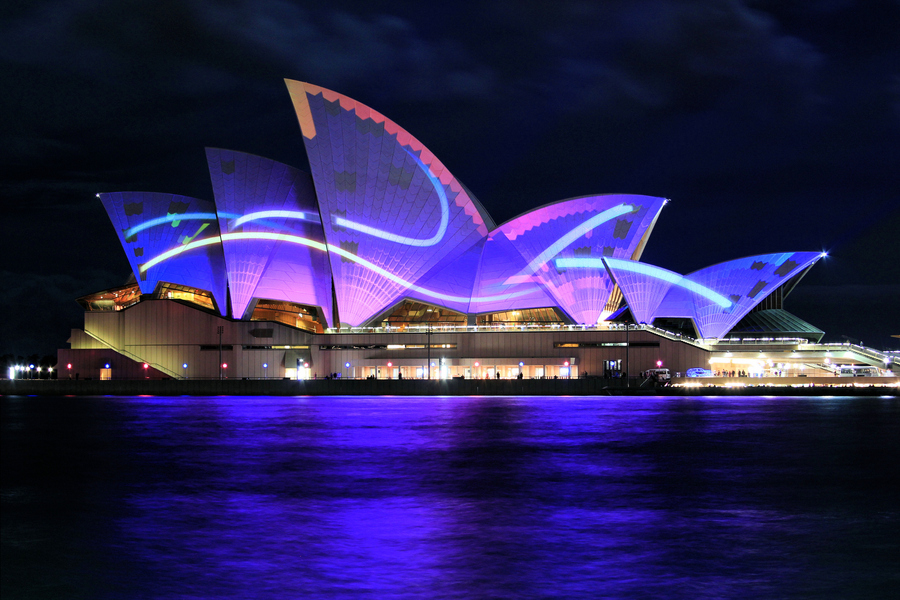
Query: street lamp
(266, 370)
(428, 347)
(627, 357)
(219, 331)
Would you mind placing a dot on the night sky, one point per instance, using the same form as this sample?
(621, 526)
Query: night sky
(771, 125)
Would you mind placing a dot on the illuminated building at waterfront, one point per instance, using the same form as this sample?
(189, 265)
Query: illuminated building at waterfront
(379, 262)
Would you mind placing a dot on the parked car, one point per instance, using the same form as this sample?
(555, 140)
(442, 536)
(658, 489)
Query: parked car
(699, 372)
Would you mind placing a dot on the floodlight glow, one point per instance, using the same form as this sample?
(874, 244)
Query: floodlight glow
(184, 366)
(168, 219)
(392, 237)
(272, 214)
(645, 269)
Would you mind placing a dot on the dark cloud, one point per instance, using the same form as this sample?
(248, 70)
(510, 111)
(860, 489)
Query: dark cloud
(773, 126)
(44, 309)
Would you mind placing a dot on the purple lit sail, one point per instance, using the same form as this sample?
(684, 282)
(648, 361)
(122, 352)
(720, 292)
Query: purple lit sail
(272, 235)
(644, 287)
(381, 220)
(169, 238)
(392, 213)
(746, 282)
(498, 288)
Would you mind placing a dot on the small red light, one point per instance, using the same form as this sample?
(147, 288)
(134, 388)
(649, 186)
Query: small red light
(69, 366)
(566, 363)
(477, 364)
(224, 365)
(390, 364)
(146, 366)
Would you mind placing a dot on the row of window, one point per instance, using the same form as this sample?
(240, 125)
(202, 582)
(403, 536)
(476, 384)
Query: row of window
(384, 346)
(327, 347)
(606, 344)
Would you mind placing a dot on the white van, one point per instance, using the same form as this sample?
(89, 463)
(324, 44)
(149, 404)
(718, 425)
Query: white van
(661, 374)
(859, 372)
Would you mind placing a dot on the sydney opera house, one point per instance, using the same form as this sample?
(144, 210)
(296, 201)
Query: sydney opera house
(380, 263)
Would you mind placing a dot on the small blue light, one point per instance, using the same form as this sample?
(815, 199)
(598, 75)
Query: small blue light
(521, 364)
(265, 365)
(184, 366)
(106, 366)
(347, 365)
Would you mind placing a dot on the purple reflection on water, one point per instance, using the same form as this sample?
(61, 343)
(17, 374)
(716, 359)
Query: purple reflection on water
(450, 497)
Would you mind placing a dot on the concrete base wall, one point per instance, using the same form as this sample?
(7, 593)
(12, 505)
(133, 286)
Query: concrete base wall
(392, 387)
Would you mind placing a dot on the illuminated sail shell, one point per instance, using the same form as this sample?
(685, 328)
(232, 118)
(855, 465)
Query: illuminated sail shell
(716, 297)
(556, 251)
(745, 282)
(644, 287)
(393, 215)
(272, 235)
(169, 238)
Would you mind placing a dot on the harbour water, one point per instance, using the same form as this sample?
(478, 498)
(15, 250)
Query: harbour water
(450, 497)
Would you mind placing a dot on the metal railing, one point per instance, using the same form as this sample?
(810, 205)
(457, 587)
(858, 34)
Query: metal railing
(134, 357)
(864, 351)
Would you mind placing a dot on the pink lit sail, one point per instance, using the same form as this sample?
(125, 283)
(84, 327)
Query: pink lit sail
(524, 251)
(258, 195)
